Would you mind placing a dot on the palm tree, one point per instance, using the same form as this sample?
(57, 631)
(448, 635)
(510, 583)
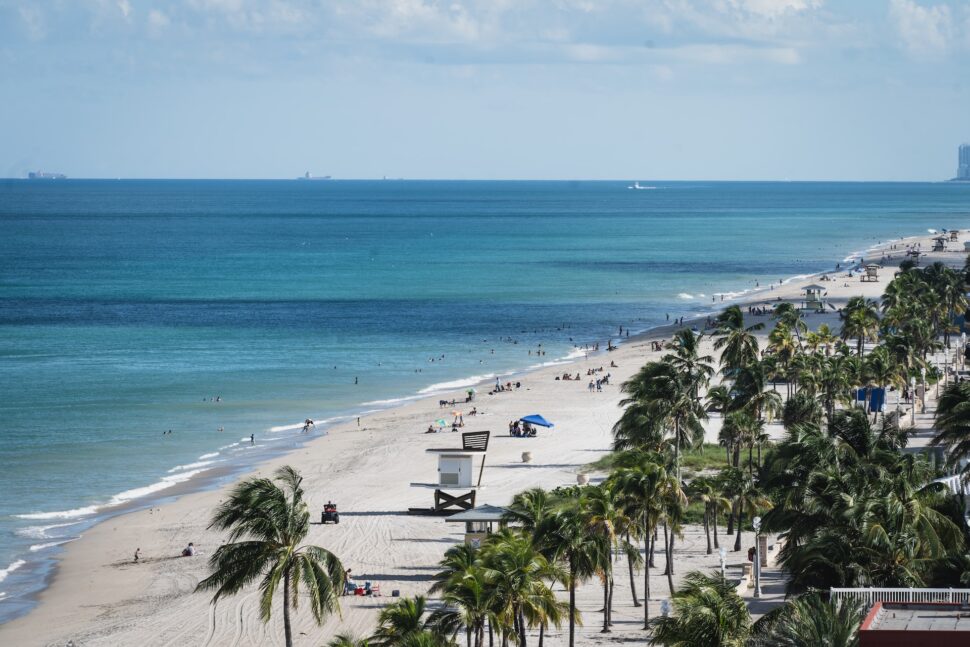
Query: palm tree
(801, 408)
(791, 317)
(469, 603)
(695, 369)
(517, 574)
(785, 349)
(822, 339)
(705, 490)
(347, 640)
(720, 399)
(810, 620)
(567, 534)
(860, 321)
(663, 399)
(644, 485)
(401, 620)
(953, 423)
(706, 611)
(608, 518)
(267, 520)
(740, 346)
(881, 370)
(751, 500)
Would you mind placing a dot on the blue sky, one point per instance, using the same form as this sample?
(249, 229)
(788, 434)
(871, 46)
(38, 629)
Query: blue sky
(649, 89)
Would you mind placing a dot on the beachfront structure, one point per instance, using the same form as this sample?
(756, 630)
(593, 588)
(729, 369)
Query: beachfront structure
(939, 244)
(963, 163)
(901, 624)
(814, 300)
(911, 617)
(954, 235)
(456, 485)
(871, 274)
(479, 522)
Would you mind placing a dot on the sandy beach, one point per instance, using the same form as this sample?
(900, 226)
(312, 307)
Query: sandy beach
(98, 597)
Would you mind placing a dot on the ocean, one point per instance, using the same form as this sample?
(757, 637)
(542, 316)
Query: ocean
(224, 309)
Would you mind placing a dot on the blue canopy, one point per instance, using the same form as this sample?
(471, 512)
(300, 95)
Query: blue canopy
(536, 419)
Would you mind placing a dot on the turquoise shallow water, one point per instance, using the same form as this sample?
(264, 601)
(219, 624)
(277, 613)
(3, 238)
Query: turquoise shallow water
(126, 306)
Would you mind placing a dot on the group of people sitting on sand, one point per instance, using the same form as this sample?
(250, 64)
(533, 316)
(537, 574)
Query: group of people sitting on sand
(523, 430)
(508, 386)
(354, 588)
(567, 377)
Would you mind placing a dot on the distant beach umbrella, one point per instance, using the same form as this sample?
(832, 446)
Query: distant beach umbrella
(441, 422)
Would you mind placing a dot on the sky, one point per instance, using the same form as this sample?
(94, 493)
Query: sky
(485, 89)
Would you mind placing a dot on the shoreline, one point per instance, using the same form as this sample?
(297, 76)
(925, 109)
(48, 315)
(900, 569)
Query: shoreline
(192, 492)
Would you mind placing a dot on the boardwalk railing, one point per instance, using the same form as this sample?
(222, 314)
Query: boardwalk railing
(954, 483)
(871, 596)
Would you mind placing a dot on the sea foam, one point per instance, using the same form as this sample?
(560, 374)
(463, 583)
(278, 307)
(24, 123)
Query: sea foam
(456, 384)
(10, 569)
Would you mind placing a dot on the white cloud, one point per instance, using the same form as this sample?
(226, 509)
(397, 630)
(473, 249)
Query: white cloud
(33, 20)
(925, 31)
(124, 6)
(776, 8)
(158, 20)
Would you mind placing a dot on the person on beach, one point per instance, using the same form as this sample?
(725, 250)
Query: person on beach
(252, 439)
(137, 554)
(189, 551)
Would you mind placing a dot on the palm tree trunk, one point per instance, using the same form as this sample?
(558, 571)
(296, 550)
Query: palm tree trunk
(522, 636)
(287, 631)
(653, 549)
(542, 632)
(606, 605)
(677, 449)
(737, 538)
(646, 579)
(714, 523)
(707, 528)
(672, 539)
(730, 521)
(670, 562)
(610, 606)
(572, 602)
(468, 636)
(633, 582)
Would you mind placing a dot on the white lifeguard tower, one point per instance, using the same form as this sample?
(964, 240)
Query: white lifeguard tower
(939, 244)
(814, 300)
(456, 485)
(872, 273)
(479, 522)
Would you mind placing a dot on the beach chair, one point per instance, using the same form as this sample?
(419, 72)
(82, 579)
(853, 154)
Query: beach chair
(375, 591)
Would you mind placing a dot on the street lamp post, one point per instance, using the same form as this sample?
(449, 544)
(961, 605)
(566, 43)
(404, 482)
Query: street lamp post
(722, 551)
(756, 522)
(922, 375)
(912, 396)
(963, 350)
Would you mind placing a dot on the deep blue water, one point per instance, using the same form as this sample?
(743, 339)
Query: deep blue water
(125, 306)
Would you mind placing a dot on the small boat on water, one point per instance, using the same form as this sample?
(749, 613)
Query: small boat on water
(636, 185)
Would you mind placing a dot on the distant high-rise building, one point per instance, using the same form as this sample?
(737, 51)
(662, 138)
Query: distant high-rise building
(963, 170)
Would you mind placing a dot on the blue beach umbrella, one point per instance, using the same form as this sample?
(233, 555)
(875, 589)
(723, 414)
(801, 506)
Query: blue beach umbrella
(536, 419)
